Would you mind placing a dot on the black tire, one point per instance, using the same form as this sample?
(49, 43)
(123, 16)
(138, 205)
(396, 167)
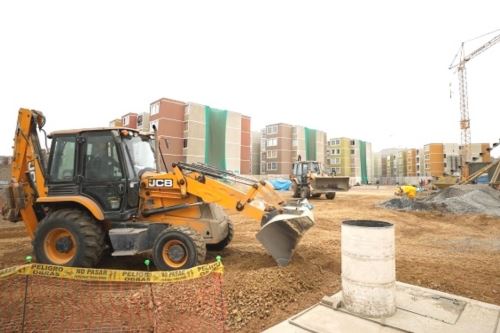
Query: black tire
(186, 241)
(305, 193)
(80, 241)
(316, 195)
(225, 242)
(330, 195)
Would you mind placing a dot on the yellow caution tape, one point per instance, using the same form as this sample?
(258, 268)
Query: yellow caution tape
(6, 272)
(112, 275)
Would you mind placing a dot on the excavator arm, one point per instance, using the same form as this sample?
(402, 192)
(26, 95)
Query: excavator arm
(28, 171)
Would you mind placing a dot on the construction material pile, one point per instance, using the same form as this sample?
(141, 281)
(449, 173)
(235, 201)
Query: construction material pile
(457, 199)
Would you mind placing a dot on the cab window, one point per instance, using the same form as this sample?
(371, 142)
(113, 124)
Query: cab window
(62, 168)
(101, 159)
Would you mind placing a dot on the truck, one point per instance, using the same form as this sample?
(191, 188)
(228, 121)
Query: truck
(310, 181)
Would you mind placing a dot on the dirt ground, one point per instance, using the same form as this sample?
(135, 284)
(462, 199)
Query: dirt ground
(453, 253)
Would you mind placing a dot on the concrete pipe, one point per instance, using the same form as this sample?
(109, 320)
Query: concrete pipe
(368, 268)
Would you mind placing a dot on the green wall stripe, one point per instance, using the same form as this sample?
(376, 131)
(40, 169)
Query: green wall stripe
(362, 158)
(215, 137)
(310, 143)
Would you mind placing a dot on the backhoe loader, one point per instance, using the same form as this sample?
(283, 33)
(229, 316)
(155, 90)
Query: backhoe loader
(100, 189)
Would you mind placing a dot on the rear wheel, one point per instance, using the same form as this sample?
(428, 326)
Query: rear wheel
(69, 237)
(330, 195)
(178, 248)
(225, 242)
(316, 195)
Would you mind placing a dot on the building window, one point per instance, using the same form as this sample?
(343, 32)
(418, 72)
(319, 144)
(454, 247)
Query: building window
(353, 142)
(263, 167)
(337, 152)
(272, 154)
(272, 129)
(154, 108)
(139, 120)
(185, 143)
(352, 151)
(334, 142)
(272, 142)
(272, 166)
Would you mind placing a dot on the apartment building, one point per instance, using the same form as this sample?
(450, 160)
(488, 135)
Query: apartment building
(480, 152)
(143, 122)
(282, 144)
(130, 120)
(115, 122)
(391, 166)
(377, 165)
(444, 158)
(401, 163)
(133, 120)
(351, 158)
(420, 162)
(338, 156)
(255, 151)
(199, 133)
(411, 162)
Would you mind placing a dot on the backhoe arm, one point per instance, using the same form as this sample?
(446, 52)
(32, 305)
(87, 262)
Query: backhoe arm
(28, 170)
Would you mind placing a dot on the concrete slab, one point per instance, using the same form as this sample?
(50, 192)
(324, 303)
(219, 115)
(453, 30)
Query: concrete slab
(418, 310)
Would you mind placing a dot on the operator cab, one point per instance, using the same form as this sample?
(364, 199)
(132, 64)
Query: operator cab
(301, 169)
(103, 164)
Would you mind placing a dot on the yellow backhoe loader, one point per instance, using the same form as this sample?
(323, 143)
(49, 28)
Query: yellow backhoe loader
(101, 189)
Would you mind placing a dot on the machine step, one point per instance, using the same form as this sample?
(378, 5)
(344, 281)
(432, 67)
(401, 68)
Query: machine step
(128, 241)
(124, 253)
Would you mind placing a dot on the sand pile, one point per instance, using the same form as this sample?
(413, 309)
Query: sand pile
(457, 199)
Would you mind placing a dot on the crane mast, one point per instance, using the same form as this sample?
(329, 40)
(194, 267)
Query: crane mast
(465, 137)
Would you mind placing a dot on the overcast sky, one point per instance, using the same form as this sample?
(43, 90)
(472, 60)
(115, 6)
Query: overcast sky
(373, 70)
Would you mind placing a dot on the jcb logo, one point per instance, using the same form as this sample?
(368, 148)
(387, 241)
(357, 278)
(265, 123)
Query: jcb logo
(160, 183)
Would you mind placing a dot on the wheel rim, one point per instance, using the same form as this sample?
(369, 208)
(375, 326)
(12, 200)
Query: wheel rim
(60, 246)
(175, 253)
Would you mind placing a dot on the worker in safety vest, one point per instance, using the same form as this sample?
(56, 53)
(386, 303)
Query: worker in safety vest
(406, 191)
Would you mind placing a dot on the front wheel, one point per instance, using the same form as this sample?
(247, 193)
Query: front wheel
(178, 248)
(68, 237)
(330, 195)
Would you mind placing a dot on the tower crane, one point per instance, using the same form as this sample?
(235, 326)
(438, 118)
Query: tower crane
(459, 64)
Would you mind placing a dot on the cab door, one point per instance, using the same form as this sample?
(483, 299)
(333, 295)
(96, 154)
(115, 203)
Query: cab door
(102, 175)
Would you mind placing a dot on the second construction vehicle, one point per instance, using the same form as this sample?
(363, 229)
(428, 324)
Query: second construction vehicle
(100, 189)
(309, 181)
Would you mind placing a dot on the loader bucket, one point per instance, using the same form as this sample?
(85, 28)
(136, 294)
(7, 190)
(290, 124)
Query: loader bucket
(283, 232)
